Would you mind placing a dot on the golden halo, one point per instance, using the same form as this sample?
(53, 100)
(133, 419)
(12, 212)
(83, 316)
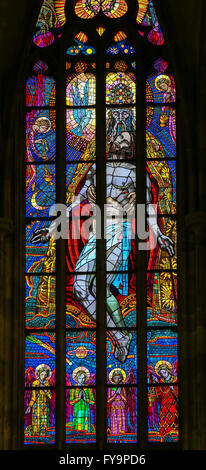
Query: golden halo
(43, 118)
(115, 371)
(163, 365)
(161, 77)
(44, 367)
(80, 370)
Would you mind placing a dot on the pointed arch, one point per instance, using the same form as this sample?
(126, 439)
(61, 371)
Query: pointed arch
(81, 117)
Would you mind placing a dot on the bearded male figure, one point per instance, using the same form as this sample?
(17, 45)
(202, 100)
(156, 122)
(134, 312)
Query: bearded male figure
(120, 202)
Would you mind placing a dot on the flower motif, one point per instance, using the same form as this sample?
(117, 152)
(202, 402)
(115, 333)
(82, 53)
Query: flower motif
(113, 50)
(89, 8)
(168, 302)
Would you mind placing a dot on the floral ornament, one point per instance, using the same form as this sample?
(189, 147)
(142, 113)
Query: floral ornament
(121, 48)
(88, 9)
(167, 295)
(80, 47)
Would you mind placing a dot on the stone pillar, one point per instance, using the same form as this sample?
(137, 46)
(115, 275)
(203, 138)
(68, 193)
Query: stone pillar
(193, 337)
(6, 359)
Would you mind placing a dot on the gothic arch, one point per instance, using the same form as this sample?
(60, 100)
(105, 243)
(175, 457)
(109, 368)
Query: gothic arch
(192, 223)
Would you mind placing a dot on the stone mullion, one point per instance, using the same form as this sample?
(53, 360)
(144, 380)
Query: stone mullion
(101, 252)
(60, 329)
(6, 327)
(193, 333)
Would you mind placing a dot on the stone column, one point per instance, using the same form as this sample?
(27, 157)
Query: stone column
(6, 359)
(193, 337)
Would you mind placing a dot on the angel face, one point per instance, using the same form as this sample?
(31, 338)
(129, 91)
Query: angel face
(165, 373)
(117, 378)
(43, 376)
(81, 378)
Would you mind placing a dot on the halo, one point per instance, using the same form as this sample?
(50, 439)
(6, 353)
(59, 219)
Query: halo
(43, 118)
(117, 370)
(163, 365)
(45, 367)
(78, 371)
(162, 77)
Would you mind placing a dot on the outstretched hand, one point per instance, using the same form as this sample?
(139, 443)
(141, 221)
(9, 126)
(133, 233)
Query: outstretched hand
(40, 236)
(166, 244)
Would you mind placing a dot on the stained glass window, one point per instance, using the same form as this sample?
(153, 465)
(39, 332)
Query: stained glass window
(101, 341)
(81, 257)
(40, 278)
(121, 319)
(88, 9)
(51, 17)
(147, 17)
(162, 352)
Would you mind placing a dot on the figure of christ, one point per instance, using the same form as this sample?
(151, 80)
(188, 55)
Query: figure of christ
(120, 200)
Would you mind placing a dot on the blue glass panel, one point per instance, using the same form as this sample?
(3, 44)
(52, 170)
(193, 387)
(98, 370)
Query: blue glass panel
(80, 48)
(161, 130)
(121, 48)
(80, 358)
(162, 356)
(40, 190)
(39, 352)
